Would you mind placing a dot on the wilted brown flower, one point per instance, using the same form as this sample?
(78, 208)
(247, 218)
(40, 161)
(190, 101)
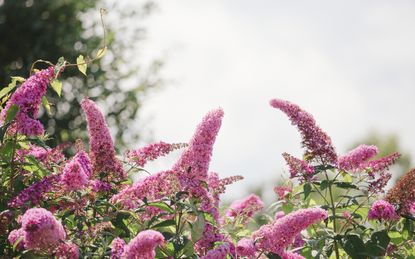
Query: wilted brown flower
(402, 194)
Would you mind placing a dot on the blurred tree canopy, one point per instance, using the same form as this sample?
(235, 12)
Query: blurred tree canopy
(44, 29)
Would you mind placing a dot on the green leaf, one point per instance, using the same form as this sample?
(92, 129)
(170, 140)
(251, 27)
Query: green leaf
(57, 86)
(347, 178)
(198, 227)
(46, 104)
(307, 190)
(59, 65)
(101, 52)
(162, 206)
(325, 184)
(345, 185)
(11, 85)
(11, 113)
(81, 63)
(166, 223)
(355, 247)
(378, 243)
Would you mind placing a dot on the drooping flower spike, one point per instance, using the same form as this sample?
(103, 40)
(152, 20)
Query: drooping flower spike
(314, 139)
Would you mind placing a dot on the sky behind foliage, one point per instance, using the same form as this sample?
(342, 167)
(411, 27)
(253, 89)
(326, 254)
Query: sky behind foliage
(349, 63)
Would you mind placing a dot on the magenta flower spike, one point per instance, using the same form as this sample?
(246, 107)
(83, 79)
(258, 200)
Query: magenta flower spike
(102, 152)
(28, 98)
(315, 140)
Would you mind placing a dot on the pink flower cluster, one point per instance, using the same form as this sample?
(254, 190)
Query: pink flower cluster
(193, 165)
(245, 208)
(246, 248)
(315, 140)
(151, 152)
(40, 230)
(76, 173)
(32, 195)
(277, 236)
(210, 236)
(141, 247)
(28, 98)
(283, 191)
(67, 251)
(382, 210)
(298, 167)
(220, 252)
(355, 159)
(153, 187)
(102, 150)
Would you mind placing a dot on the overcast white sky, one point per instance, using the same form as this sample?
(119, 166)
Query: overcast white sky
(349, 63)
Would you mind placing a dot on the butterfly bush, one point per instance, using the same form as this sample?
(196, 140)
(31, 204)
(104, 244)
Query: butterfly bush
(86, 205)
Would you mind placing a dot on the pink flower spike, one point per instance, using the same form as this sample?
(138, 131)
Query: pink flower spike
(143, 245)
(41, 230)
(67, 251)
(102, 150)
(298, 167)
(353, 160)
(76, 173)
(246, 247)
(316, 141)
(246, 207)
(194, 162)
(277, 236)
(382, 210)
(151, 152)
(117, 248)
(28, 98)
(14, 236)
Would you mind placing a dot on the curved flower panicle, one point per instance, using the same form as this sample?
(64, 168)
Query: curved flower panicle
(246, 207)
(151, 152)
(383, 163)
(298, 167)
(41, 230)
(102, 150)
(315, 140)
(28, 98)
(382, 210)
(193, 164)
(143, 245)
(277, 236)
(353, 160)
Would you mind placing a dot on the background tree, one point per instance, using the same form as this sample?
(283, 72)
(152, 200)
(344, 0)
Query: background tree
(43, 29)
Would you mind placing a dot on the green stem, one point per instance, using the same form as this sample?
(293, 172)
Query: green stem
(333, 211)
